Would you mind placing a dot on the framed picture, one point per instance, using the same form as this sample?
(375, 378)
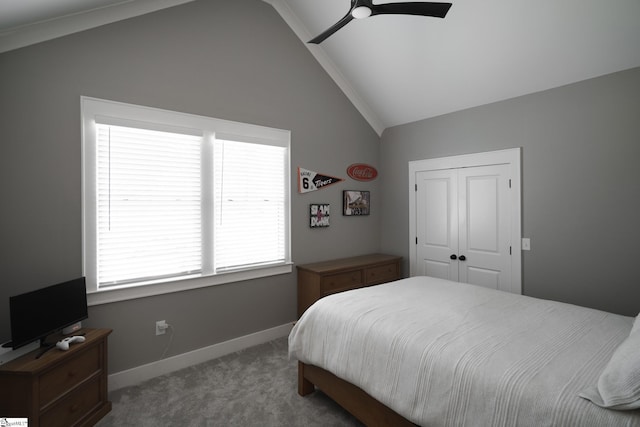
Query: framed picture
(355, 202)
(319, 215)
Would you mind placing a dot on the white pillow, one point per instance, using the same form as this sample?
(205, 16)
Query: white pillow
(619, 384)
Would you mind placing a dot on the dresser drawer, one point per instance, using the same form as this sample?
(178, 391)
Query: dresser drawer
(381, 273)
(74, 406)
(339, 282)
(69, 374)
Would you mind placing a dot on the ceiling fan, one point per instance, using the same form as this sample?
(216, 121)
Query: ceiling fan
(365, 8)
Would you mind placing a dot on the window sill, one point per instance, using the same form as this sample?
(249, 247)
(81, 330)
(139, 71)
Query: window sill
(122, 294)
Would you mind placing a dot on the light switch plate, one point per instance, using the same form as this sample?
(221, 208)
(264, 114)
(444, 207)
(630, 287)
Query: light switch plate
(526, 244)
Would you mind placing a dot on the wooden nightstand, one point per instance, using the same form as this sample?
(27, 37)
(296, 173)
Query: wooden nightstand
(61, 388)
(324, 278)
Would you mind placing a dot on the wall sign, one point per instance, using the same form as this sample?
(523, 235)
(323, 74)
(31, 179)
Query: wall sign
(312, 181)
(355, 202)
(319, 215)
(362, 172)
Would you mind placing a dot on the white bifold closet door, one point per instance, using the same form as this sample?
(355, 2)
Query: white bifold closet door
(463, 227)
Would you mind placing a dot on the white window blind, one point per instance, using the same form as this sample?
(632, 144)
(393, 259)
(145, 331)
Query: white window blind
(180, 201)
(250, 194)
(149, 192)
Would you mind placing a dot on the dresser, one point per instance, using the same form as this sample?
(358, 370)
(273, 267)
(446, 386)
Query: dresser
(320, 279)
(61, 388)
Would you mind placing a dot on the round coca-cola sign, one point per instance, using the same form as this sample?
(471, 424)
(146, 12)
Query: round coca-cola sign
(362, 172)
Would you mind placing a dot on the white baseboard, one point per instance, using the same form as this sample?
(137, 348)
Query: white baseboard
(141, 373)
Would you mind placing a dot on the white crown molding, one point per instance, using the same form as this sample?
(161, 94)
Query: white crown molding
(25, 35)
(303, 33)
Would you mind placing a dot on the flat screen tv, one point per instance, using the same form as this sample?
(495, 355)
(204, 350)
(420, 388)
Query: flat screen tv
(35, 315)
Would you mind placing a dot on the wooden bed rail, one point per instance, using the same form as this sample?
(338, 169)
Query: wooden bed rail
(362, 406)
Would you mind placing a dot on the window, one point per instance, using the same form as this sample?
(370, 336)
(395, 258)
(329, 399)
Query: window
(179, 201)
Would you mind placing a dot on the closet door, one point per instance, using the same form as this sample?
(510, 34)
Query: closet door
(484, 227)
(437, 223)
(463, 225)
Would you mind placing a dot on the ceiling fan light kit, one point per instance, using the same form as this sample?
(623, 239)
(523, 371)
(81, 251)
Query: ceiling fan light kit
(364, 8)
(361, 12)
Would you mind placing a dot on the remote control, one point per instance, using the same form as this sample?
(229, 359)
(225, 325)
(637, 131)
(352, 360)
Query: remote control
(64, 344)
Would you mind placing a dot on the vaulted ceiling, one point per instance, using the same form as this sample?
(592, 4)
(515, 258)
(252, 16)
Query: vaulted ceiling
(399, 68)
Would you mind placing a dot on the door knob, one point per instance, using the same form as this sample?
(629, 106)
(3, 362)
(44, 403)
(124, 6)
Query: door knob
(453, 256)
(462, 257)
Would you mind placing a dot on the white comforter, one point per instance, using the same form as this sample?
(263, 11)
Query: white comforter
(443, 353)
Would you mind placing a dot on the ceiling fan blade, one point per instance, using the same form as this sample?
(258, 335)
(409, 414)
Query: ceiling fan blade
(437, 10)
(341, 23)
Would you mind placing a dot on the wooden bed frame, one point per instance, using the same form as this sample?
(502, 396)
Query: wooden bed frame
(352, 398)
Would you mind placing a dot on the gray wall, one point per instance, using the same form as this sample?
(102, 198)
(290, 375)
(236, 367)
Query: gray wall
(228, 59)
(581, 183)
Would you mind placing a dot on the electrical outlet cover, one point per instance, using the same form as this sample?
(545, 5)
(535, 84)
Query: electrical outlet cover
(161, 327)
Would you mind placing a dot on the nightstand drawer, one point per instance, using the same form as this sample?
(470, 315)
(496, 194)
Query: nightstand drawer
(74, 406)
(69, 374)
(339, 282)
(381, 273)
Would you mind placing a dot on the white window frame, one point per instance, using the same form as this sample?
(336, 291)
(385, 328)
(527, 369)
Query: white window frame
(93, 109)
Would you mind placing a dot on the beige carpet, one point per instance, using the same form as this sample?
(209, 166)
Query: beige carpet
(253, 387)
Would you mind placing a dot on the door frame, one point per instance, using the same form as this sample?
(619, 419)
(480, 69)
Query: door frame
(511, 157)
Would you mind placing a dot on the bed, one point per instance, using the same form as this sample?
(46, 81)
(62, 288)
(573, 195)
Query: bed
(431, 352)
